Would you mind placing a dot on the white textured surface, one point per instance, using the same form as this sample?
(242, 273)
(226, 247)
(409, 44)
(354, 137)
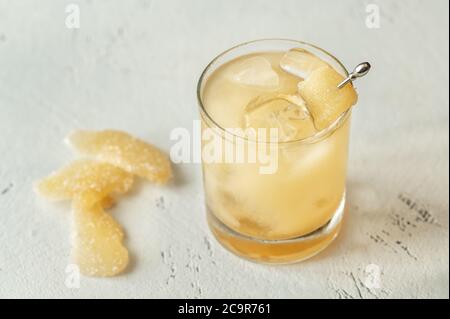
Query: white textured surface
(133, 65)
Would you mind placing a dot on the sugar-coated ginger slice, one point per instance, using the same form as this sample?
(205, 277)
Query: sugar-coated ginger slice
(94, 180)
(325, 101)
(125, 151)
(98, 248)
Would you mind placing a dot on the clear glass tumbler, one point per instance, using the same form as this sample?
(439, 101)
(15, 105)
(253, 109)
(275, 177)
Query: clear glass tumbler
(293, 213)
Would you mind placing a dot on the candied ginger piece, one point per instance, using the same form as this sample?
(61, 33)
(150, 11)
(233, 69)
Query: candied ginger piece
(125, 151)
(107, 202)
(94, 180)
(326, 103)
(300, 62)
(97, 242)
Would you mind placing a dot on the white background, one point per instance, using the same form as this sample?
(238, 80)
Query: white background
(133, 65)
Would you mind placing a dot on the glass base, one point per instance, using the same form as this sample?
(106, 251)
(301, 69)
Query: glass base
(277, 251)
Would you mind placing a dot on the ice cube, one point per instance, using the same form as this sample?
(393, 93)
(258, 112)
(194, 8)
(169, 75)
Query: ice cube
(287, 113)
(254, 71)
(300, 62)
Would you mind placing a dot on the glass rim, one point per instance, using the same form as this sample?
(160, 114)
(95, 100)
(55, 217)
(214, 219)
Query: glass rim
(309, 139)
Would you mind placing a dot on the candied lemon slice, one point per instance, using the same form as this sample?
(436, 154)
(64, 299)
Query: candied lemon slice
(125, 151)
(263, 100)
(97, 241)
(94, 180)
(286, 113)
(324, 100)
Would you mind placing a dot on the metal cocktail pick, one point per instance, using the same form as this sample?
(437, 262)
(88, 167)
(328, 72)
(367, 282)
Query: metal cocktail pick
(359, 71)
